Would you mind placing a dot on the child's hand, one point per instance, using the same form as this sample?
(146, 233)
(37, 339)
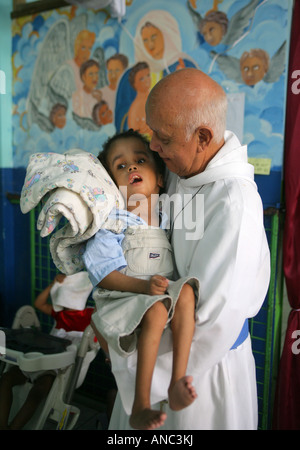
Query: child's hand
(158, 285)
(59, 277)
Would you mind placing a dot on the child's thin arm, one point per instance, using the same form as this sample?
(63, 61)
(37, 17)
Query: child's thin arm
(115, 280)
(40, 302)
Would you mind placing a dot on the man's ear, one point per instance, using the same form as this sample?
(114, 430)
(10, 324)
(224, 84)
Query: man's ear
(160, 181)
(204, 137)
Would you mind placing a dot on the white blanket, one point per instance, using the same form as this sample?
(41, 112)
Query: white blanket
(76, 186)
(72, 292)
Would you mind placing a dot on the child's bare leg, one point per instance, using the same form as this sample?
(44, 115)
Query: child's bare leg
(142, 416)
(181, 390)
(101, 340)
(9, 379)
(38, 392)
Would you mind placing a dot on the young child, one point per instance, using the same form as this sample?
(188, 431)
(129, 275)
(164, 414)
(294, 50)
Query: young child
(67, 319)
(85, 98)
(69, 295)
(134, 298)
(101, 114)
(140, 80)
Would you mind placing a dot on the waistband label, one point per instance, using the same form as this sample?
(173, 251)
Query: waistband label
(153, 255)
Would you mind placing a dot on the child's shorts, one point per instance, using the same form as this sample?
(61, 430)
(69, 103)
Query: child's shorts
(118, 314)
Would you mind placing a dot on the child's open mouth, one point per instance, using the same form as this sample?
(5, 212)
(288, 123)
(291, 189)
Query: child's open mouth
(135, 178)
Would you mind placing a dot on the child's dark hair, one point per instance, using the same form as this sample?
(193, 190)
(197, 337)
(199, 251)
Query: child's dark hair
(103, 155)
(86, 65)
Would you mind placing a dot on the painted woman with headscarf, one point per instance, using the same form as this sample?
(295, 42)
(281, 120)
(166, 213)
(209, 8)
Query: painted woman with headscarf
(158, 43)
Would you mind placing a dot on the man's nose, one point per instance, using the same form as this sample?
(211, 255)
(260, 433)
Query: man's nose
(154, 145)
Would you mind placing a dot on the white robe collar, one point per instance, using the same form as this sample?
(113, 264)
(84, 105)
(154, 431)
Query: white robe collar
(230, 161)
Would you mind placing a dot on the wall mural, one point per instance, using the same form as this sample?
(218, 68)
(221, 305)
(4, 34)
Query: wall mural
(80, 75)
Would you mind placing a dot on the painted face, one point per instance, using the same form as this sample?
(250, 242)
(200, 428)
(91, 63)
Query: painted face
(169, 141)
(59, 118)
(133, 167)
(142, 80)
(212, 33)
(252, 70)
(90, 78)
(105, 115)
(114, 71)
(84, 51)
(153, 41)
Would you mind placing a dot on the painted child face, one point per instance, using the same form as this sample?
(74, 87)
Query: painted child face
(90, 78)
(114, 71)
(105, 115)
(142, 80)
(212, 33)
(153, 41)
(59, 118)
(252, 70)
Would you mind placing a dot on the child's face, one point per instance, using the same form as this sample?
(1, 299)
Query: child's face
(212, 33)
(90, 78)
(59, 118)
(142, 80)
(114, 71)
(132, 166)
(105, 115)
(252, 70)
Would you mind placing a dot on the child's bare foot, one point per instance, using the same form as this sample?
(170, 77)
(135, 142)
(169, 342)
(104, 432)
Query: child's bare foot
(182, 393)
(147, 419)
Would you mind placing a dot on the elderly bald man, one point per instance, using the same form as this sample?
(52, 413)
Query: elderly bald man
(213, 183)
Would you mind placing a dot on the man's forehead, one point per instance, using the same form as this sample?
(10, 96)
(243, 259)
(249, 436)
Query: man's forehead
(158, 123)
(163, 134)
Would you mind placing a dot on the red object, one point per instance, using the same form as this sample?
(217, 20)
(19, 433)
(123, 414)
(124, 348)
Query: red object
(71, 320)
(287, 400)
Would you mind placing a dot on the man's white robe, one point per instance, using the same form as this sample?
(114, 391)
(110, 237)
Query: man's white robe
(232, 261)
